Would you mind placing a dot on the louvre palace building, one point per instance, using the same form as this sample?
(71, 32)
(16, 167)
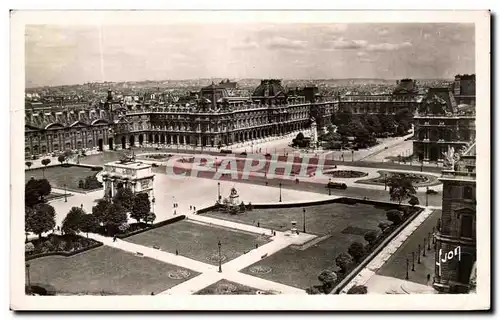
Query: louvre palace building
(210, 117)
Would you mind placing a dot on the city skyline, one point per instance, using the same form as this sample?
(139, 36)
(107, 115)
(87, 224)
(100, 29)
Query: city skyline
(79, 54)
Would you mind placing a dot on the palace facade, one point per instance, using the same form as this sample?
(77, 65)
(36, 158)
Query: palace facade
(457, 228)
(443, 120)
(211, 118)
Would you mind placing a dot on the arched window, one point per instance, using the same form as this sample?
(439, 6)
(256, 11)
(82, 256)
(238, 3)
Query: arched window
(468, 193)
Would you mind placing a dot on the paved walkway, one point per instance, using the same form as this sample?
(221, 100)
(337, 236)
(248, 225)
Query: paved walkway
(364, 276)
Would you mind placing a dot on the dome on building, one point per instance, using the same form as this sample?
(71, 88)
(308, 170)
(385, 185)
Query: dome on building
(269, 88)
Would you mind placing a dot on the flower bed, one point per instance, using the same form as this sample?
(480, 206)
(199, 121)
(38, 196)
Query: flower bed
(417, 179)
(55, 244)
(159, 156)
(347, 174)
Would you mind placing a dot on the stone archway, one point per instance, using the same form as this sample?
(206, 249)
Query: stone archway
(141, 139)
(124, 142)
(110, 143)
(157, 139)
(162, 140)
(131, 140)
(100, 144)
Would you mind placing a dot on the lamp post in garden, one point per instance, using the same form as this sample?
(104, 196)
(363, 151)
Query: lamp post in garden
(413, 261)
(65, 195)
(220, 258)
(329, 187)
(385, 181)
(280, 191)
(427, 196)
(304, 213)
(418, 254)
(28, 275)
(218, 191)
(215, 164)
(423, 255)
(407, 264)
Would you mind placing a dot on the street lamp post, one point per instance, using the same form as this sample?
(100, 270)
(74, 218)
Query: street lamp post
(329, 187)
(28, 274)
(407, 264)
(427, 196)
(418, 254)
(215, 164)
(65, 195)
(218, 191)
(413, 261)
(304, 213)
(385, 181)
(280, 191)
(220, 265)
(423, 254)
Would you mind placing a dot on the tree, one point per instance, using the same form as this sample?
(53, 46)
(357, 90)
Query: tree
(358, 290)
(28, 164)
(387, 123)
(300, 136)
(100, 209)
(371, 237)
(343, 261)
(372, 124)
(68, 154)
(125, 198)
(395, 216)
(383, 225)
(41, 219)
(357, 251)
(414, 201)
(115, 216)
(88, 223)
(35, 191)
(140, 207)
(342, 117)
(45, 162)
(61, 159)
(400, 188)
(72, 222)
(151, 217)
(327, 278)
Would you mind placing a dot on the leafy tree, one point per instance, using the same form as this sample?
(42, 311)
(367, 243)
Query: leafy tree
(343, 261)
(372, 124)
(72, 222)
(61, 159)
(300, 136)
(357, 251)
(327, 278)
(100, 209)
(141, 207)
(395, 216)
(151, 217)
(387, 123)
(383, 225)
(400, 188)
(371, 237)
(342, 117)
(29, 247)
(345, 130)
(115, 216)
(68, 154)
(242, 207)
(45, 162)
(358, 290)
(125, 198)
(414, 201)
(313, 290)
(41, 219)
(35, 191)
(88, 223)
(28, 164)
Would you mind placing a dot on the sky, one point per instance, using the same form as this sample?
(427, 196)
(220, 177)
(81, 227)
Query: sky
(61, 55)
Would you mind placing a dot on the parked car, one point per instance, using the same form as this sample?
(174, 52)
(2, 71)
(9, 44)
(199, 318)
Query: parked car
(243, 153)
(336, 185)
(431, 191)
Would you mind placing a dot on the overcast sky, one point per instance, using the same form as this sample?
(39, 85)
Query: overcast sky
(58, 55)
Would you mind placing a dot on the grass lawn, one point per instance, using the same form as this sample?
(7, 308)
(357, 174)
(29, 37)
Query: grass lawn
(106, 270)
(324, 219)
(59, 176)
(396, 265)
(226, 287)
(344, 223)
(198, 241)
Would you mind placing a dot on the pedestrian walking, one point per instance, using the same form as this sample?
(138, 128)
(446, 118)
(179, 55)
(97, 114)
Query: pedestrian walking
(176, 252)
(114, 238)
(175, 212)
(190, 207)
(258, 224)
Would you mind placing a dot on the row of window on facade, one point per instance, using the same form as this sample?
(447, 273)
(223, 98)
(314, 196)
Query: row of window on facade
(78, 134)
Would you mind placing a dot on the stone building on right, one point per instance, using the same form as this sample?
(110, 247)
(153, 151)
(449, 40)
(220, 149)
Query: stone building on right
(457, 226)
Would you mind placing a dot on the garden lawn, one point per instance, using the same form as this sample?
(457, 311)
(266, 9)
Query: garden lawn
(396, 265)
(104, 269)
(226, 287)
(344, 223)
(199, 241)
(321, 219)
(58, 176)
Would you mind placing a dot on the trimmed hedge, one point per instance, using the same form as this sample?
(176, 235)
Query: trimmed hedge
(63, 253)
